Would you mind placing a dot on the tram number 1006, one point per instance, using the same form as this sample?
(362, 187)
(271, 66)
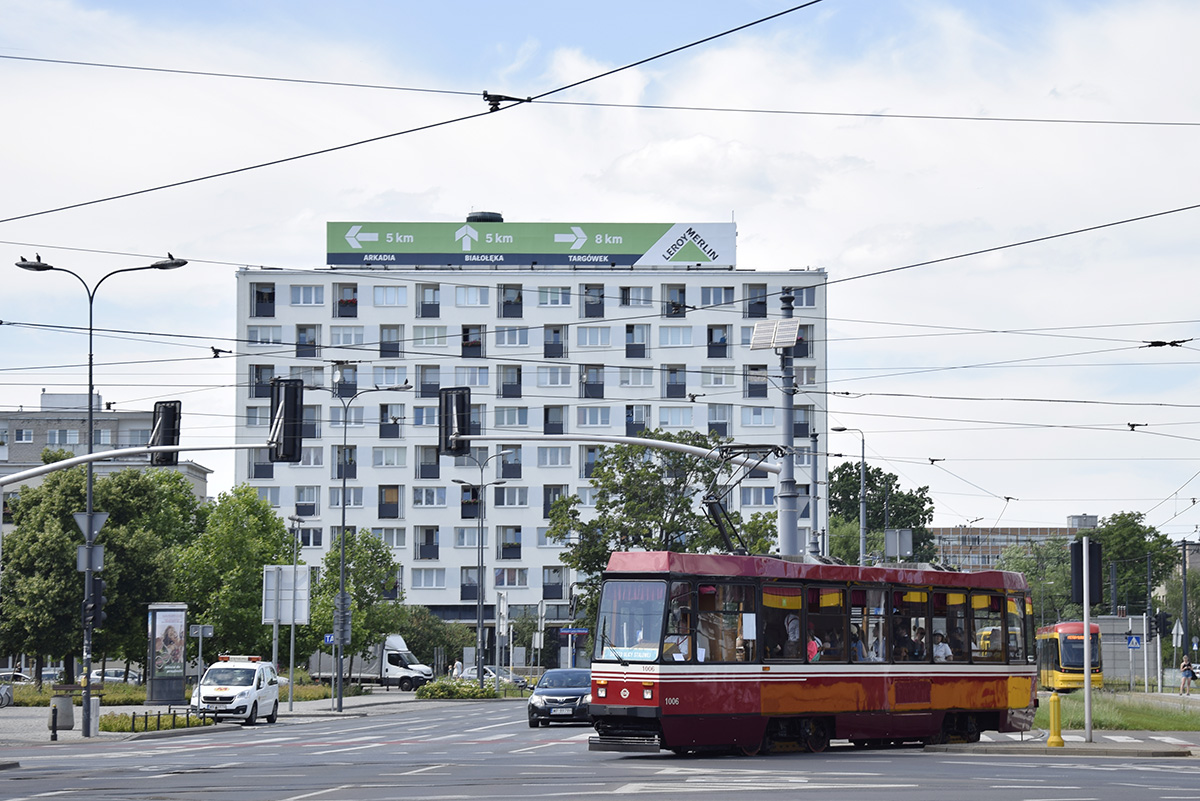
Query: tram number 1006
(670, 702)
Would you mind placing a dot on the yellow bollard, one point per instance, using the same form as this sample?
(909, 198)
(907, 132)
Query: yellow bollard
(1055, 739)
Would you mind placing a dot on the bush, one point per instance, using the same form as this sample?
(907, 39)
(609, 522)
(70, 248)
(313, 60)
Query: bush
(444, 688)
(154, 721)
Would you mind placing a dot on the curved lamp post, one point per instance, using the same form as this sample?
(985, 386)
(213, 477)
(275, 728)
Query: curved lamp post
(89, 536)
(862, 495)
(342, 603)
(479, 546)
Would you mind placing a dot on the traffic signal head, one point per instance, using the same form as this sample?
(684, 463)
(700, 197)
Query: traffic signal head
(165, 431)
(93, 606)
(1153, 627)
(287, 419)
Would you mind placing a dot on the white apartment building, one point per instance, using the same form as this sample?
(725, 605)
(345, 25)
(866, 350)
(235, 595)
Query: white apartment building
(558, 329)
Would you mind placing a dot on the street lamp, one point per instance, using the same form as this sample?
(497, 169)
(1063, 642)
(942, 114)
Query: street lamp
(479, 546)
(862, 495)
(89, 536)
(341, 606)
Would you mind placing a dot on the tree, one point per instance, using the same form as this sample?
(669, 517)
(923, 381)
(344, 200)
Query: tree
(1047, 568)
(910, 509)
(424, 633)
(219, 574)
(1125, 543)
(646, 499)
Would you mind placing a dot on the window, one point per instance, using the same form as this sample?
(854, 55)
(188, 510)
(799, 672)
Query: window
(392, 537)
(354, 497)
(391, 341)
(587, 496)
(67, 436)
(554, 457)
(717, 377)
(805, 297)
(312, 456)
(675, 336)
(429, 496)
(594, 416)
(512, 496)
(23, 435)
(554, 376)
(467, 536)
(310, 376)
(675, 416)
(471, 296)
(425, 415)
(255, 416)
(390, 376)
(758, 496)
(101, 436)
(428, 578)
(554, 296)
(139, 436)
(802, 456)
(388, 457)
(512, 416)
(270, 495)
(310, 537)
(265, 334)
(308, 295)
(429, 336)
(345, 335)
(474, 459)
(508, 336)
(716, 295)
(391, 295)
(758, 416)
(471, 376)
(336, 416)
(636, 296)
(636, 377)
(511, 576)
(592, 336)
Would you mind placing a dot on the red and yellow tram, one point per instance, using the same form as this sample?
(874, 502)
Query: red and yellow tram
(700, 651)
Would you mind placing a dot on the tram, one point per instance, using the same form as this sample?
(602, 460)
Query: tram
(696, 652)
(1060, 656)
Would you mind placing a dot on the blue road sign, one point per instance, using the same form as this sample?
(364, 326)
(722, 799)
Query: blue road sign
(329, 639)
(1133, 641)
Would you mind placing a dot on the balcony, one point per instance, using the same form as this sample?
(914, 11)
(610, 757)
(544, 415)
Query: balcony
(756, 308)
(431, 390)
(553, 350)
(593, 389)
(347, 307)
(260, 390)
(470, 510)
(510, 551)
(510, 390)
(305, 350)
(512, 309)
(472, 349)
(347, 389)
(389, 511)
(429, 470)
(801, 350)
(310, 431)
(800, 429)
(426, 552)
(552, 427)
(593, 308)
(264, 308)
(510, 470)
(468, 592)
(633, 429)
(720, 429)
(262, 470)
(552, 592)
(676, 390)
(389, 350)
(306, 510)
(389, 431)
(718, 350)
(430, 310)
(346, 471)
(635, 350)
(756, 389)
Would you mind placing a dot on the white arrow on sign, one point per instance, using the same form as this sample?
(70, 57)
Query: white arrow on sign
(356, 239)
(577, 236)
(466, 234)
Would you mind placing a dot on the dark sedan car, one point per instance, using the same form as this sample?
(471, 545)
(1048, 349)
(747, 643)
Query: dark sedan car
(562, 694)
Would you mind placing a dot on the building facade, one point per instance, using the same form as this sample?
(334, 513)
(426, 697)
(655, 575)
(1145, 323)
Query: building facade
(581, 344)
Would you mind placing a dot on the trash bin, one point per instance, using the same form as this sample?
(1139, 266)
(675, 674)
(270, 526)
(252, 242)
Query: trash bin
(66, 712)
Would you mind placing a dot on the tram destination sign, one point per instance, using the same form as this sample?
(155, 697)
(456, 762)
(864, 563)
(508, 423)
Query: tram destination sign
(384, 244)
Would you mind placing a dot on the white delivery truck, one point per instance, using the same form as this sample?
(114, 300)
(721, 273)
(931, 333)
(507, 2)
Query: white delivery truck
(389, 663)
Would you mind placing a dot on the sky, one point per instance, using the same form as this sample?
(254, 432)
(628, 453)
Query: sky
(999, 193)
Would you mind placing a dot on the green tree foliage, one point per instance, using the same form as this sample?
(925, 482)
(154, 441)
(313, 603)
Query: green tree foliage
(1047, 568)
(844, 538)
(424, 632)
(646, 499)
(219, 573)
(1126, 542)
(905, 508)
(370, 575)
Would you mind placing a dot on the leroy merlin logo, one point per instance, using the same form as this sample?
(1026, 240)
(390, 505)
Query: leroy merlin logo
(690, 246)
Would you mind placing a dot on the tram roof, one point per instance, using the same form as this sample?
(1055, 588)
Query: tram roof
(772, 568)
(1068, 627)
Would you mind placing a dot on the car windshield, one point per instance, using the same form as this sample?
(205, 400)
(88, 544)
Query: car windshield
(229, 677)
(563, 679)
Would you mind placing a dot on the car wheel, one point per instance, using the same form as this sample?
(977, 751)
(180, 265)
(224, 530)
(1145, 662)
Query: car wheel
(533, 723)
(252, 718)
(274, 716)
(406, 684)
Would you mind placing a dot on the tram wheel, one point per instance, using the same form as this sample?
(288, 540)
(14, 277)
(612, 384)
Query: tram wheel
(751, 750)
(816, 736)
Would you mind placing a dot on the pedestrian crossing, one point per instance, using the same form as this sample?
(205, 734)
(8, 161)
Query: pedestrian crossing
(1125, 739)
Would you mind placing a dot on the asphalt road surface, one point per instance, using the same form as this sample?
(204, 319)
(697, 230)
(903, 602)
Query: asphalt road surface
(451, 751)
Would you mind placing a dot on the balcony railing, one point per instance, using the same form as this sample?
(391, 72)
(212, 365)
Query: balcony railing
(429, 390)
(305, 350)
(430, 310)
(389, 350)
(389, 511)
(552, 427)
(676, 390)
(389, 431)
(263, 470)
(721, 429)
(510, 390)
(264, 308)
(718, 350)
(472, 350)
(633, 429)
(635, 350)
(756, 389)
(429, 470)
(260, 389)
(468, 592)
(470, 510)
(347, 307)
(346, 471)
(306, 510)
(510, 470)
(510, 551)
(553, 350)
(552, 592)
(593, 389)
(427, 552)
(511, 310)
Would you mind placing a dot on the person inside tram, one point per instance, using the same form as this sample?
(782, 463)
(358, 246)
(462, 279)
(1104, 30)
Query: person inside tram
(941, 649)
(791, 648)
(856, 647)
(918, 645)
(902, 643)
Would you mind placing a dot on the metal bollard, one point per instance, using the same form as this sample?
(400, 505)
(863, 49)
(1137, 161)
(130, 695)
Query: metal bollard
(1055, 739)
(53, 724)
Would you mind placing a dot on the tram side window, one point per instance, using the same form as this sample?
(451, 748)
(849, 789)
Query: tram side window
(727, 622)
(910, 625)
(949, 625)
(869, 635)
(782, 607)
(987, 644)
(677, 644)
(824, 637)
(1015, 622)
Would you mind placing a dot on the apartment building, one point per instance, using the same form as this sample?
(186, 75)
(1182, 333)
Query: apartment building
(573, 328)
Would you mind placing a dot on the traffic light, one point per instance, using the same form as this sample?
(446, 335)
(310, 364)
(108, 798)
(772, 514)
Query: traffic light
(93, 607)
(1094, 579)
(1164, 624)
(165, 432)
(454, 418)
(287, 420)
(1153, 627)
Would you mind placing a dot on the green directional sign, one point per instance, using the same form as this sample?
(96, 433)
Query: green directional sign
(625, 244)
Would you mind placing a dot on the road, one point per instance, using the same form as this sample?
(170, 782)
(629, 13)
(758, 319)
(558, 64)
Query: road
(450, 751)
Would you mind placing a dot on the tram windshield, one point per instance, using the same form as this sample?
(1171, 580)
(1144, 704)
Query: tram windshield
(630, 620)
(1072, 650)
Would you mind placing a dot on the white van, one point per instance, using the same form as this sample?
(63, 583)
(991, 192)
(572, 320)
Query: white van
(239, 688)
(400, 667)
